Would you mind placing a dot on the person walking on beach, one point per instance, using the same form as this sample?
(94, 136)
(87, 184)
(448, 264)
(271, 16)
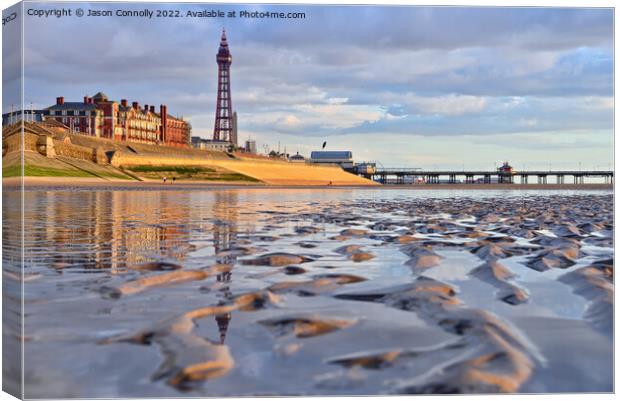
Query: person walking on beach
(164, 179)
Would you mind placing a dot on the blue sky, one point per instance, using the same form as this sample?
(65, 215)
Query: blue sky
(406, 86)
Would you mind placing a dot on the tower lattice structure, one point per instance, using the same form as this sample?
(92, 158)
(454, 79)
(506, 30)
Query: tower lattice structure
(223, 130)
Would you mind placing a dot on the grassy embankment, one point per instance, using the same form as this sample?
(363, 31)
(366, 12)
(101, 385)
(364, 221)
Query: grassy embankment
(36, 165)
(191, 165)
(195, 173)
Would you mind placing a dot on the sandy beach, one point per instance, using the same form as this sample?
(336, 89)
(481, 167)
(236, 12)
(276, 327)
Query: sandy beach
(83, 182)
(258, 292)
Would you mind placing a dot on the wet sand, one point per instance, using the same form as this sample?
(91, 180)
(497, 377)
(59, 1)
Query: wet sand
(301, 292)
(81, 182)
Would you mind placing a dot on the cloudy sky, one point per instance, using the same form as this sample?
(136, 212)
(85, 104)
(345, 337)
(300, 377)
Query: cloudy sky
(405, 86)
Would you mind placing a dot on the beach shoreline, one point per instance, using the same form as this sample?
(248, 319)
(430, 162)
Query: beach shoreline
(80, 182)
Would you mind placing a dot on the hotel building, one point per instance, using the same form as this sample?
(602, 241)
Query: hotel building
(103, 118)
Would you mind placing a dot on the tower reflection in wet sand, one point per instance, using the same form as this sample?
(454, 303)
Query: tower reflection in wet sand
(224, 239)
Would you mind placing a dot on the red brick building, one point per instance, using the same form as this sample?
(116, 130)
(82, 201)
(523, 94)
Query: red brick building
(98, 116)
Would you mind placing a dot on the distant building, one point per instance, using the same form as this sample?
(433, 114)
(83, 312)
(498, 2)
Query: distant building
(277, 155)
(250, 146)
(505, 168)
(210, 144)
(297, 158)
(233, 138)
(103, 118)
(32, 116)
(366, 169)
(506, 173)
(197, 141)
(342, 158)
(82, 117)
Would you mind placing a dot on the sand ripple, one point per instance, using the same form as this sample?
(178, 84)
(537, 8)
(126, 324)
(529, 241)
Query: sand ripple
(595, 283)
(306, 326)
(498, 358)
(189, 358)
(277, 259)
(350, 294)
(497, 274)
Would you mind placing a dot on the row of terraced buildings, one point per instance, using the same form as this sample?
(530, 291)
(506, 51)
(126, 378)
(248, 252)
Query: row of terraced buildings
(101, 117)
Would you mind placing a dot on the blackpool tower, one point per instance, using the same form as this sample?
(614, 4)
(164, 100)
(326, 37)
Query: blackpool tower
(223, 130)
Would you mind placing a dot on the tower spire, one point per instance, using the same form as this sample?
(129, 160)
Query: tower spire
(223, 130)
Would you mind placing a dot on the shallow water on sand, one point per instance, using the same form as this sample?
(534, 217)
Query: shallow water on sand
(285, 292)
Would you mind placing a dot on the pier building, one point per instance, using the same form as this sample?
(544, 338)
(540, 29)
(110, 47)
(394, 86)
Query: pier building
(343, 159)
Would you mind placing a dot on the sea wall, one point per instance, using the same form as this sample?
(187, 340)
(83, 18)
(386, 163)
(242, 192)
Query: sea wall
(127, 154)
(13, 143)
(51, 147)
(268, 171)
(124, 159)
(285, 173)
(67, 149)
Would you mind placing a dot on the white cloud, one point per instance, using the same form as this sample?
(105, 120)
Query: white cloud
(528, 122)
(368, 70)
(287, 123)
(447, 105)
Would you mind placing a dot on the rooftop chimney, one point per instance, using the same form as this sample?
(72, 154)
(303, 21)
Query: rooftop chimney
(146, 108)
(152, 109)
(124, 102)
(60, 100)
(135, 105)
(85, 99)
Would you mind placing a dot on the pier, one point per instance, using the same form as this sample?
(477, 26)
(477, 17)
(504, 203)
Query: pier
(414, 175)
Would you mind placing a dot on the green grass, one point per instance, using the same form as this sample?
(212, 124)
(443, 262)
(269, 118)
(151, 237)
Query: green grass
(34, 171)
(233, 177)
(37, 171)
(12, 171)
(195, 173)
(170, 169)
